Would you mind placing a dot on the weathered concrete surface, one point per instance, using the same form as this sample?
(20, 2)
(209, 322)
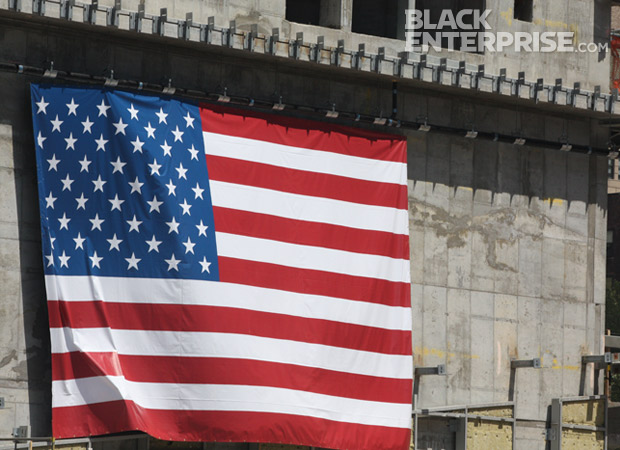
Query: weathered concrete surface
(24, 340)
(507, 242)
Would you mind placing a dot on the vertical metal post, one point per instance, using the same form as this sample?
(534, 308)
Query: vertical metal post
(606, 417)
(466, 423)
(415, 431)
(555, 432)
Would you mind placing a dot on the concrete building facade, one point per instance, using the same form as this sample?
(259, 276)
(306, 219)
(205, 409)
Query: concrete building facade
(508, 238)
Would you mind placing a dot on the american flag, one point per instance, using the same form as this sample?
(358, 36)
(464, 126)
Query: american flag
(222, 275)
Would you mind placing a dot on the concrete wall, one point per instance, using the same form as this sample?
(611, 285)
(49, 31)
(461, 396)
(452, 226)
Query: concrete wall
(507, 242)
(589, 20)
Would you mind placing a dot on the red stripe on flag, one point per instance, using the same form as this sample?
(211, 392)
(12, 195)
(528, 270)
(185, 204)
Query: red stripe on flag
(311, 233)
(215, 319)
(307, 183)
(303, 133)
(223, 426)
(315, 282)
(192, 370)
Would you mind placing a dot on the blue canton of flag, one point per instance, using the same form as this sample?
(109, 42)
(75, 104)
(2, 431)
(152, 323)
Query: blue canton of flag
(123, 185)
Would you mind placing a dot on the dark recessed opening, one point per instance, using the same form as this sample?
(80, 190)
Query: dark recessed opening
(377, 18)
(524, 10)
(304, 11)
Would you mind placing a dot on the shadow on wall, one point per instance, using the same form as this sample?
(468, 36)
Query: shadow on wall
(501, 174)
(31, 367)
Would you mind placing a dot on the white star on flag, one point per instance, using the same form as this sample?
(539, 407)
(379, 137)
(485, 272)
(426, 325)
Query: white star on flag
(70, 142)
(42, 106)
(120, 126)
(103, 109)
(53, 163)
(133, 262)
(50, 199)
(114, 243)
(95, 260)
(205, 265)
(136, 186)
(189, 121)
(101, 142)
(81, 202)
(173, 263)
(134, 224)
(79, 242)
(153, 245)
(64, 259)
(96, 223)
(150, 131)
(134, 112)
(87, 124)
(72, 108)
(56, 123)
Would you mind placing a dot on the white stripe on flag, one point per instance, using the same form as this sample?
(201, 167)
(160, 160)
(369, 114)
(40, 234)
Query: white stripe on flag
(304, 159)
(313, 209)
(205, 397)
(212, 293)
(313, 258)
(227, 345)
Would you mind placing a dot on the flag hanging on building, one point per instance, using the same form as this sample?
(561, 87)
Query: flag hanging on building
(221, 275)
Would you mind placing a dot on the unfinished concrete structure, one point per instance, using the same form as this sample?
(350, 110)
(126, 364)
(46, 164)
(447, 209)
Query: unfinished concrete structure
(507, 240)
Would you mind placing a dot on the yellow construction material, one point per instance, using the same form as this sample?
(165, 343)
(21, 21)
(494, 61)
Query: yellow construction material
(586, 412)
(582, 440)
(492, 412)
(489, 435)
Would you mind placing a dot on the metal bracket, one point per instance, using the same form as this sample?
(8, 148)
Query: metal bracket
(297, 43)
(337, 54)
(497, 82)
(475, 81)
(574, 93)
(356, 60)
(458, 74)
(229, 36)
(15, 5)
(253, 34)
(66, 9)
(519, 83)
(169, 90)
(159, 27)
(521, 363)
(38, 7)
(538, 88)
(613, 98)
(111, 81)
(272, 41)
(557, 88)
(399, 67)
(439, 70)
(550, 434)
(378, 59)
(184, 26)
(206, 31)
(21, 432)
(135, 19)
(596, 359)
(318, 48)
(50, 72)
(418, 68)
(90, 12)
(439, 370)
(112, 14)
